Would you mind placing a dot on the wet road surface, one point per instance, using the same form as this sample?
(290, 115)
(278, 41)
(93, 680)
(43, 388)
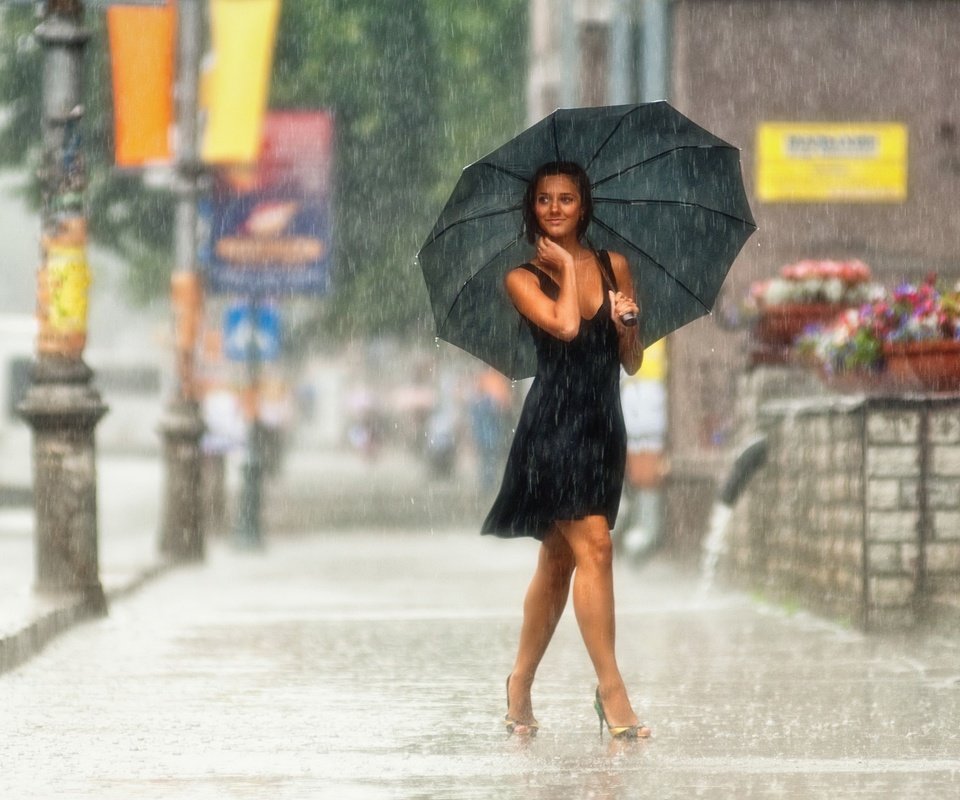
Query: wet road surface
(361, 665)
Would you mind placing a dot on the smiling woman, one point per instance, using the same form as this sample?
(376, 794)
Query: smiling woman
(564, 474)
(557, 312)
(559, 178)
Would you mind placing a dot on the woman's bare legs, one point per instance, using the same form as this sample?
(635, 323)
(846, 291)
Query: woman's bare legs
(589, 541)
(544, 603)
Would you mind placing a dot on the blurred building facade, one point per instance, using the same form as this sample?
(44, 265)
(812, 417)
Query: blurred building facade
(735, 66)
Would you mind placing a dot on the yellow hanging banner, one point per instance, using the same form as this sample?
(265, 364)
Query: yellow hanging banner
(237, 86)
(831, 162)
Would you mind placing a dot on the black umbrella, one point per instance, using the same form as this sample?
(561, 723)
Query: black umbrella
(667, 194)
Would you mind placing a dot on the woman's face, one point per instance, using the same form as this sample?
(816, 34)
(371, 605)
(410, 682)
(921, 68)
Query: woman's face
(557, 206)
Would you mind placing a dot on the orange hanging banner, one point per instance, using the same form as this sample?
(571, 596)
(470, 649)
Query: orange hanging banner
(142, 58)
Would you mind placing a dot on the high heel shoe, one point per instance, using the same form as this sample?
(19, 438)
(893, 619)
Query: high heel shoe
(638, 731)
(515, 725)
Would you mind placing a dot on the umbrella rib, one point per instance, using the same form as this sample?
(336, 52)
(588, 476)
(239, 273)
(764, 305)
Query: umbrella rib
(508, 172)
(556, 137)
(467, 282)
(603, 144)
(485, 215)
(652, 260)
(614, 201)
(657, 157)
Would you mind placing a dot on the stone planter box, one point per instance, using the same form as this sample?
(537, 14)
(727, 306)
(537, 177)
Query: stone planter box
(933, 366)
(780, 325)
(856, 514)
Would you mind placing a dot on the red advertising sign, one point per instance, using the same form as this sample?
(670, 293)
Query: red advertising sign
(269, 224)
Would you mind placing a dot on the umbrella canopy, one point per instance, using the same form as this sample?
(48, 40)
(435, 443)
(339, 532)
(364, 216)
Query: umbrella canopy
(667, 194)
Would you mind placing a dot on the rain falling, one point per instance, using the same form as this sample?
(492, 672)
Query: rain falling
(300, 299)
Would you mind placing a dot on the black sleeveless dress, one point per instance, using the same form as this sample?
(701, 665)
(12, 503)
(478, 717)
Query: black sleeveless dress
(569, 450)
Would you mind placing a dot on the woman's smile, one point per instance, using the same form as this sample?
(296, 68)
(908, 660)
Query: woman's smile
(557, 206)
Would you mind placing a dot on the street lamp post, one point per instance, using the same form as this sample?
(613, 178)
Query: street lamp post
(248, 533)
(181, 535)
(61, 405)
(655, 76)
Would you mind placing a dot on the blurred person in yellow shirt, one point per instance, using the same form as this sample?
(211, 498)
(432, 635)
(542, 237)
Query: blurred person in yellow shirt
(643, 397)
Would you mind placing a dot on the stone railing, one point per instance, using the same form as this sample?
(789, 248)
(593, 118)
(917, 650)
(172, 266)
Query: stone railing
(856, 513)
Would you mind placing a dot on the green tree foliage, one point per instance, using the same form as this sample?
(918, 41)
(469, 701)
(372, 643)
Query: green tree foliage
(419, 89)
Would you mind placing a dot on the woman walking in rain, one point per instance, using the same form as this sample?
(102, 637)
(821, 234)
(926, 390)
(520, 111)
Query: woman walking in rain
(565, 469)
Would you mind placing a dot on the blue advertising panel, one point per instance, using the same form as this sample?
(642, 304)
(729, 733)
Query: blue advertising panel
(266, 228)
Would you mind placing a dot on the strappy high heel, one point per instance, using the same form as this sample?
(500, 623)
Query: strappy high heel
(515, 725)
(638, 731)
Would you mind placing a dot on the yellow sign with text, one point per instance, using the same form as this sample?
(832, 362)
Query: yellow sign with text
(835, 162)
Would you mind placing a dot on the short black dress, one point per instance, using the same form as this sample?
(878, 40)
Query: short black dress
(568, 453)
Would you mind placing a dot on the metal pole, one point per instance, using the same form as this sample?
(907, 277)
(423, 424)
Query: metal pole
(61, 406)
(569, 56)
(620, 34)
(248, 533)
(655, 83)
(181, 535)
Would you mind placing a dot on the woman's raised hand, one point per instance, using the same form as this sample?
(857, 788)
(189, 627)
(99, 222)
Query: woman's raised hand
(552, 254)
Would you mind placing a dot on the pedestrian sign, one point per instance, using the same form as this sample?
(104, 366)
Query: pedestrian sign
(251, 332)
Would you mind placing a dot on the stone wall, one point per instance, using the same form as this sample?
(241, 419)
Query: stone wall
(941, 510)
(856, 513)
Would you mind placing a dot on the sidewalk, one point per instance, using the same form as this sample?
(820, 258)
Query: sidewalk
(317, 490)
(363, 664)
(337, 489)
(128, 497)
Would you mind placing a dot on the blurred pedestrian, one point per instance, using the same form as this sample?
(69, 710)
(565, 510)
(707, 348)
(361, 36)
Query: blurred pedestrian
(564, 473)
(365, 429)
(275, 416)
(644, 411)
(488, 419)
(225, 431)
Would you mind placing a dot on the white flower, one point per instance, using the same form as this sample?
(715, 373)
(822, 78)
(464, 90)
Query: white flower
(778, 292)
(833, 290)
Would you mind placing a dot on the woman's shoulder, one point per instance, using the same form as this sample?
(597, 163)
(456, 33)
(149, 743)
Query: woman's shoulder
(619, 263)
(528, 276)
(615, 257)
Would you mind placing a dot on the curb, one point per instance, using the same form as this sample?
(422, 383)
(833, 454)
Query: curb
(20, 646)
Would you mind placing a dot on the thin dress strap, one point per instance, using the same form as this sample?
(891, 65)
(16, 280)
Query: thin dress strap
(606, 270)
(542, 275)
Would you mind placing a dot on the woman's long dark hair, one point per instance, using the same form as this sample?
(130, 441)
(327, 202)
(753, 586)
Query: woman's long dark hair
(571, 170)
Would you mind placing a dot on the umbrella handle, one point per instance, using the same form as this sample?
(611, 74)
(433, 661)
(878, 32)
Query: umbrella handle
(629, 319)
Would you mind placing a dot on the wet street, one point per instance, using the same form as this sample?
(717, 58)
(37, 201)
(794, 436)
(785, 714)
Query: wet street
(361, 665)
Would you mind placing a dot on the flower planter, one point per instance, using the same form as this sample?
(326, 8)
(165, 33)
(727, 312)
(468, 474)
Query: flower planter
(780, 325)
(932, 365)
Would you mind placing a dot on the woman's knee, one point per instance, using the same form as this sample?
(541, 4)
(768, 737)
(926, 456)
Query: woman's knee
(590, 542)
(556, 557)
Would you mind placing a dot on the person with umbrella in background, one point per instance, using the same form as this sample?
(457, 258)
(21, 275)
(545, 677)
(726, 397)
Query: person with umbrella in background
(628, 206)
(564, 473)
